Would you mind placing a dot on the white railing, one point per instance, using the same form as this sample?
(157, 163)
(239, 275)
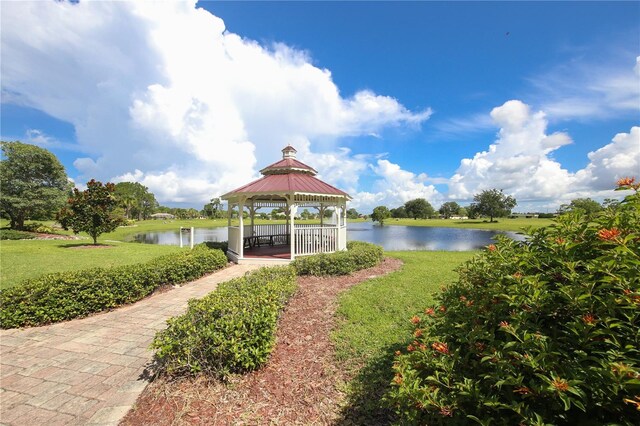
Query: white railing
(315, 239)
(276, 229)
(235, 244)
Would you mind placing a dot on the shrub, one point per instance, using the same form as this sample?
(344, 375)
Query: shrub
(67, 295)
(39, 227)
(231, 330)
(10, 234)
(220, 245)
(536, 332)
(359, 255)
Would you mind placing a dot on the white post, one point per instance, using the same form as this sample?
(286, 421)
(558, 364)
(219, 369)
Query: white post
(338, 213)
(292, 212)
(240, 211)
(180, 232)
(192, 236)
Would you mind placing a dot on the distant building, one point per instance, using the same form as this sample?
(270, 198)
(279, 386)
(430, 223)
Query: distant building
(164, 216)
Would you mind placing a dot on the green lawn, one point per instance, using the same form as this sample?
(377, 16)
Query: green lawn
(373, 322)
(24, 259)
(500, 224)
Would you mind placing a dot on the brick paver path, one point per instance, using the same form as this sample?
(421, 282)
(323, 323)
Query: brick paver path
(91, 370)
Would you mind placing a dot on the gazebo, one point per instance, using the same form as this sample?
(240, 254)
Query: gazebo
(289, 185)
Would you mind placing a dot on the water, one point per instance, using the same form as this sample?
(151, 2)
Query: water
(391, 238)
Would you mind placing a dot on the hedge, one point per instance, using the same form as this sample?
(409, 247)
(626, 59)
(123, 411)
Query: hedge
(11, 234)
(231, 330)
(359, 255)
(67, 295)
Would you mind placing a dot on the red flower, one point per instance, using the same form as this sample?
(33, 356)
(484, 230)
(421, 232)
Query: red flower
(397, 379)
(491, 247)
(504, 324)
(463, 299)
(626, 181)
(608, 234)
(410, 348)
(446, 411)
(398, 353)
(588, 318)
(440, 347)
(415, 319)
(443, 308)
(560, 240)
(418, 333)
(517, 275)
(522, 390)
(429, 311)
(561, 385)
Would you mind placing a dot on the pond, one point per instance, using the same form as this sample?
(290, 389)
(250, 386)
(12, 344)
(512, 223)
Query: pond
(391, 238)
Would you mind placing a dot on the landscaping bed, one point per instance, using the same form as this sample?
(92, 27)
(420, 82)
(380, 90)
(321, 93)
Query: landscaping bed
(300, 384)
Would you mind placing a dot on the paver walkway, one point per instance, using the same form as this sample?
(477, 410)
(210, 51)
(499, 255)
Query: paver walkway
(91, 370)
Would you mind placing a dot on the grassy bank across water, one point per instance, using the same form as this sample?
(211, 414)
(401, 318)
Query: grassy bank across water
(500, 224)
(373, 322)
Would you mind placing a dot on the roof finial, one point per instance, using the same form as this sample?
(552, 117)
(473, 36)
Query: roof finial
(289, 152)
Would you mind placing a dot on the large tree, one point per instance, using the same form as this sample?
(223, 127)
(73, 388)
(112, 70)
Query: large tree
(136, 200)
(380, 213)
(33, 183)
(586, 205)
(419, 209)
(91, 210)
(493, 203)
(448, 209)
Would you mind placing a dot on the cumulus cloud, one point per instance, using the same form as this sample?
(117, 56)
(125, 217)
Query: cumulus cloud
(162, 94)
(520, 162)
(394, 187)
(620, 158)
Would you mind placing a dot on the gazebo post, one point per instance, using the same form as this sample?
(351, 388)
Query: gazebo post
(241, 226)
(293, 208)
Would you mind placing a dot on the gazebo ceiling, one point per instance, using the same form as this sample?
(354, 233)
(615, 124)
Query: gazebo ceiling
(287, 176)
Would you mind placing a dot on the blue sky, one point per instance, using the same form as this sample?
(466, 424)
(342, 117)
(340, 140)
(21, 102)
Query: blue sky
(390, 101)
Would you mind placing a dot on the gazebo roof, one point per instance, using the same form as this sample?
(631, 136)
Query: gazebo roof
(287, 176)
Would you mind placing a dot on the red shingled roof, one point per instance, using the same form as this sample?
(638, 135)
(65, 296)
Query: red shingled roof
(292, 182)
(285, 165)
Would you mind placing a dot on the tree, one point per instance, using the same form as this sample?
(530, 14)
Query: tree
(493, 203)
(136, 199)
(399, 212)
(449, 209)
(419, 209)
(33, 183)
(380, 213)
(352, 214)
(91, 210)
(587, 205)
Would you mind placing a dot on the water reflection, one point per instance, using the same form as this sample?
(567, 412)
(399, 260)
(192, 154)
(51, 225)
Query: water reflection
(390, 237)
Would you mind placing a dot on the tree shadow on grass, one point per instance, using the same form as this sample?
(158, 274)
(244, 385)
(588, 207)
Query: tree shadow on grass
(365, 404)
(85, 246)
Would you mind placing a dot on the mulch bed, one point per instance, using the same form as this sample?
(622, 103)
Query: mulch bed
(42, 236)
(299, 385)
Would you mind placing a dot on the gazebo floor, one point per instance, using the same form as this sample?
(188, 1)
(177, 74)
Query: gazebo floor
(268, 252)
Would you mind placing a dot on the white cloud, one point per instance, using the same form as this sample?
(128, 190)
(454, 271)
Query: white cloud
(581, 89)
(520, 162)
(161, 93)
(394, 187)
(620, 158)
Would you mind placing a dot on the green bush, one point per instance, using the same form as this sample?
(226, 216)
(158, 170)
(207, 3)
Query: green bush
(359, 255)
(67, 295)
(537, 332)
(221, 245)
(231, 330)
(11, 234)
(39, 227)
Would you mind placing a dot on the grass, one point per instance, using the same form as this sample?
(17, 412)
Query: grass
(500, 224)
(373, 322)
(31, 258)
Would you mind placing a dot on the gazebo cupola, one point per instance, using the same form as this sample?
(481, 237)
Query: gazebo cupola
(289, 185)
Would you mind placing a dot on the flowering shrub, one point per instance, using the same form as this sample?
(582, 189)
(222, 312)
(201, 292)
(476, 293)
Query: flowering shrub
(536, 332)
